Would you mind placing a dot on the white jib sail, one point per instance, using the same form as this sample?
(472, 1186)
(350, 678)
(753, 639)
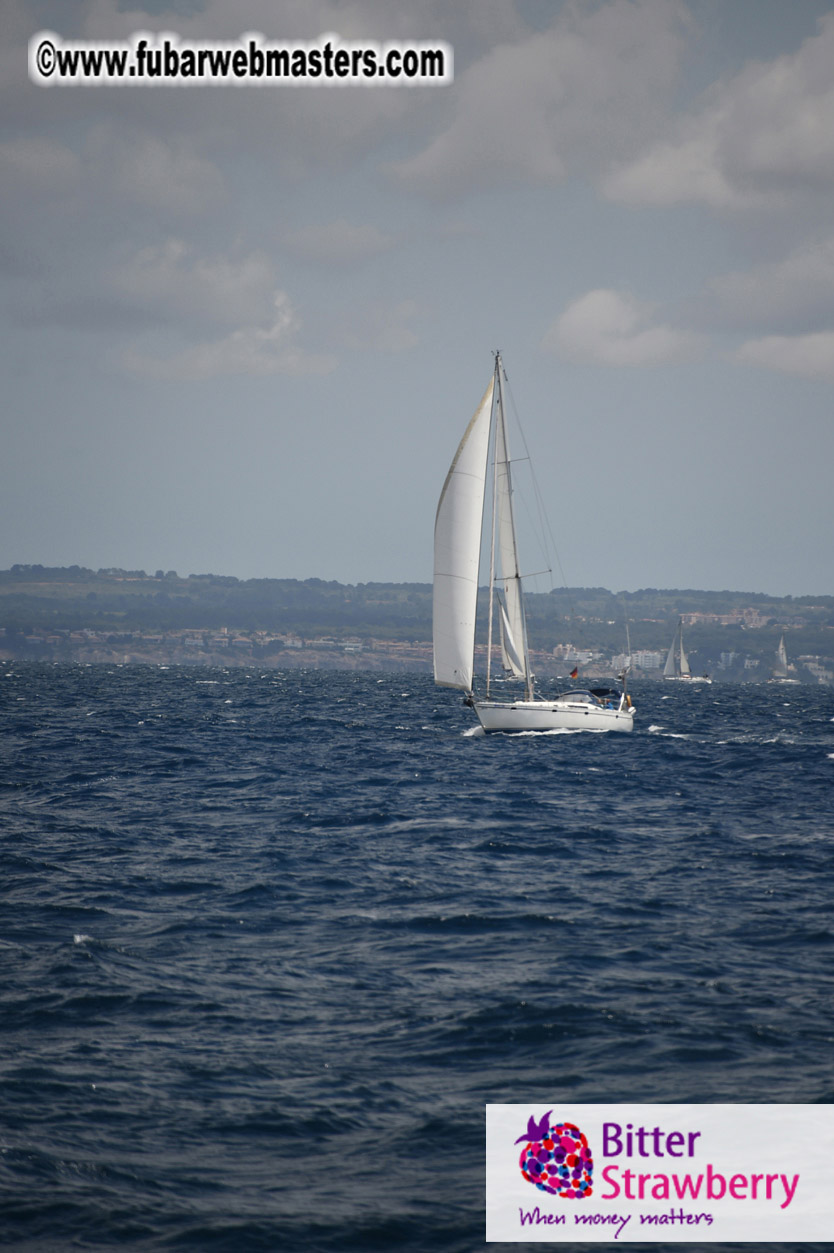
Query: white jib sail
(510, 658)
(511, 601)
(457, 549)
(669, 668)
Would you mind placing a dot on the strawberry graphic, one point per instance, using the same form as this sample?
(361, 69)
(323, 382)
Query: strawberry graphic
(557, 1158)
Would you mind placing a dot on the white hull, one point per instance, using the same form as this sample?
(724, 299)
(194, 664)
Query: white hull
(551, 715)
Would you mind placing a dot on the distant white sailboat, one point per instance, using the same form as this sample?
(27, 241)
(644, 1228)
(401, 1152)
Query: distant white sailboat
(459, 524)
(677, 662)
(780, 670)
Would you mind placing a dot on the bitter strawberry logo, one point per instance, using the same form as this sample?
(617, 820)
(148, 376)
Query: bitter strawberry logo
(556, 1158)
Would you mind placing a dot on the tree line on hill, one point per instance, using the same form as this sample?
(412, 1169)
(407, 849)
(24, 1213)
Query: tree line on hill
(35, 598)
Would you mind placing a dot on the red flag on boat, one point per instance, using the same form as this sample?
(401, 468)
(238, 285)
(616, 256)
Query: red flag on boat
(574, 674)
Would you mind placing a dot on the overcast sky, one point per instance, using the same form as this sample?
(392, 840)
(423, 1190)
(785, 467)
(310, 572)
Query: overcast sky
(244, 327)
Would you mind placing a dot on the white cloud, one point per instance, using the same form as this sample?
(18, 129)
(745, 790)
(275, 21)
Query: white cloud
(166, 175)
(149, 173)
(678, 171)
(250, 350)
(38, 165)
(809, 356)
(608, 328)
(339, 243)
(170, 281)
(173, 285)
(795, 290)
(763, 138)
(565, 97)
(381, 328)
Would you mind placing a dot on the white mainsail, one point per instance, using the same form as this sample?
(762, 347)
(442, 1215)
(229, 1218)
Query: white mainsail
(781, 670)
(457, 548)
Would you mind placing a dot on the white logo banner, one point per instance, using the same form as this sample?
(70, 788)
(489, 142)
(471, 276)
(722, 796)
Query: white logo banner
(688, 1173)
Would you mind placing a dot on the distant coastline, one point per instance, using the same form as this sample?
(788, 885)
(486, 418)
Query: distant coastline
(120, 616)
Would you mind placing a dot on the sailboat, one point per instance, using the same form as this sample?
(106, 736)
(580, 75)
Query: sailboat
(677, 662)
(462, 516)
(780, 670)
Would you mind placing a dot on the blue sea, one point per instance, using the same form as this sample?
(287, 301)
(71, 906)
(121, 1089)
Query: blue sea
(271, 940)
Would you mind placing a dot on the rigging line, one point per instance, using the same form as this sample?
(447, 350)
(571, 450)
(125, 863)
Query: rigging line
(524, 574)
(545, 529)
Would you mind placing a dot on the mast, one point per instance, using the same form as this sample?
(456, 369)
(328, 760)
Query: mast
(684, 658)
(516, 652)
(491, 613)
(627, 667)
(781, 670)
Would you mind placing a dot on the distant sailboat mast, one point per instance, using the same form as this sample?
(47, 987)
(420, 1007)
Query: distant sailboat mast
(685, 671)
(492, 538)
(781, 670)
(627, 666)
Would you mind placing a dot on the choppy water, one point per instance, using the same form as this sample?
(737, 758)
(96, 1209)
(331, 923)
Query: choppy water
(271, 941)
